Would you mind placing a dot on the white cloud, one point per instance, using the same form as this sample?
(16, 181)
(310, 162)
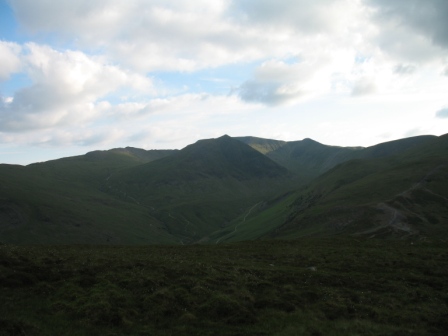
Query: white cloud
(387, 53)
(156, 35)
(159, 123)
(67, 88)
(182, 35)
(185, 36)
(9, 59)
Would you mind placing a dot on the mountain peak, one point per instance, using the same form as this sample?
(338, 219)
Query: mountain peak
(226, 156)
(310, 141)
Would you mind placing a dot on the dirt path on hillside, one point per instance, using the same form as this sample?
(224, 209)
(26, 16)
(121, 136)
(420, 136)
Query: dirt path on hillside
(421, 184)
(396, 219)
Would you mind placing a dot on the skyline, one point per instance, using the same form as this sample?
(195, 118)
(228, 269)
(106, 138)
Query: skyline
(81, 76)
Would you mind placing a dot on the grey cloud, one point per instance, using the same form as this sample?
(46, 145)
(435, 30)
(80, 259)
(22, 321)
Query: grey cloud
(268, 93)
(307, 16)
(443, 113)
(405, 69)
(36, 107)
(363, 87)
(427, 17)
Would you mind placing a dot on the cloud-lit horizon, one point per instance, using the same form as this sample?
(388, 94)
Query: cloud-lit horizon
(82, 75)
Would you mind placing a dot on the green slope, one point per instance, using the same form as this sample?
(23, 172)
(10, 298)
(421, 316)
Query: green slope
(394, 147)
(397, 196)
(61, 201)
(202, 187)
(95, 167)
(264, 146)
(308, 158)
(228, 189)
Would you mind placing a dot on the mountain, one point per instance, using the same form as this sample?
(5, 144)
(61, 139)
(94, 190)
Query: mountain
(223, 157)
(204, 186)
(229, 189)
(61, 201)
(308, 158)
(402, 195)
(96, 166)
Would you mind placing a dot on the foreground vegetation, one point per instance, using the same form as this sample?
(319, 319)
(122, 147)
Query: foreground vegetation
(302, 287)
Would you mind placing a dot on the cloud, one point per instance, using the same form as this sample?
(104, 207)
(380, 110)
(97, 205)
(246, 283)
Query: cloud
(67, 88)
(159, 123)
(288, 52)
(301, 15)
(412, 29)
(268, 93)
(313, 73)
(364, 86)
(9, 59)
(161, 35)
(170, 35)
(442, 113)
(148, 36)
(405, 69)
(428, 18)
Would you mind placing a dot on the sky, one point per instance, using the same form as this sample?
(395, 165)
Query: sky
(83, 75)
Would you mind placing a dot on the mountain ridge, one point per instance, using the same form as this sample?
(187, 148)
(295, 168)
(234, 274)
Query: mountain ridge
(228, 189)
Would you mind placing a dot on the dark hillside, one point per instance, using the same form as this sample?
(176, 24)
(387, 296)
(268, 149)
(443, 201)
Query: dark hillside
(61, 201)
(401, 195)
(225, 189)
(222, 158)
(94, 167)
(308, 158)
(204, 185)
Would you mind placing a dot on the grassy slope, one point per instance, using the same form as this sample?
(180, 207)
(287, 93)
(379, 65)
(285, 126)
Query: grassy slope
(220, 190)
(308, 158)
(94, 167)
(395, 196)
(264, 146)
(203, 186)
(336, 200)
(61, 201)
(303, 287)
(78, 199)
